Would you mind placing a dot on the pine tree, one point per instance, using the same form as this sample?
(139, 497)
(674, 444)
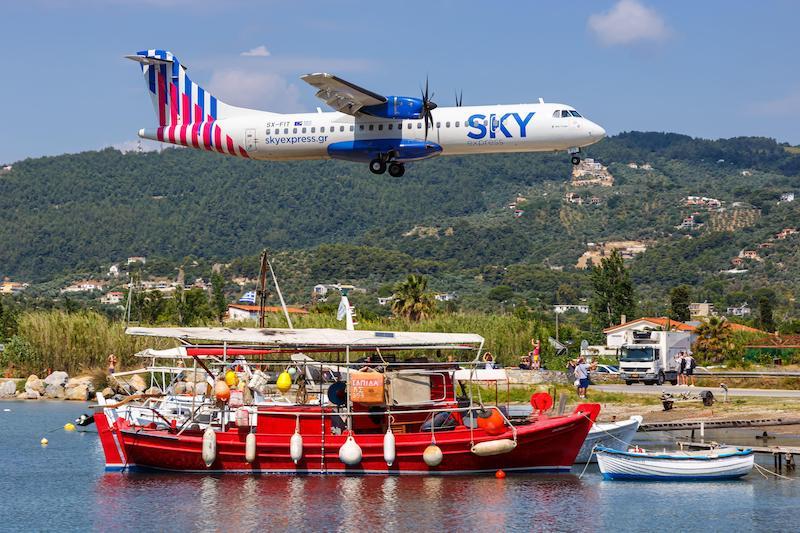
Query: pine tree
(765, 318)
(613, 291)
(679, 303)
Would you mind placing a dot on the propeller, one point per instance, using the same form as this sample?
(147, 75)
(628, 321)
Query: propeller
(427, 107)
(459, 98)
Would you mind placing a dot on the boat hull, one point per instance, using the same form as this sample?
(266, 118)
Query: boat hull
(617, 465)
(547, 445)
(613, 435)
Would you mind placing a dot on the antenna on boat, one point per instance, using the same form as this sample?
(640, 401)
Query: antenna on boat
(262, 292)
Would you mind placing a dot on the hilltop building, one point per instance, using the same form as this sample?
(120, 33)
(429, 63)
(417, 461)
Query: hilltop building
(704, 309)
(563, 308)
(112, 298)
(88, 285)
(9, 287)
(742, 310)
(137, 259)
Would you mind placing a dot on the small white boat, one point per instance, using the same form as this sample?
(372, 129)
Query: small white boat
(713, 464)
(611, 435)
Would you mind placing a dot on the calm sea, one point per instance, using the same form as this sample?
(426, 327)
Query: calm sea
(63, 487)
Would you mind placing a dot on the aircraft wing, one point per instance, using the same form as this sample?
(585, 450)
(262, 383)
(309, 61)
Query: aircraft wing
(340, 94)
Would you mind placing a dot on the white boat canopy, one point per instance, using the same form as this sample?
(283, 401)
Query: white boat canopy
(318, 338)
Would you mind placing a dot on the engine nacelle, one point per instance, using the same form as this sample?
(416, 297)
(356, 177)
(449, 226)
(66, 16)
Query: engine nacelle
(399, 107)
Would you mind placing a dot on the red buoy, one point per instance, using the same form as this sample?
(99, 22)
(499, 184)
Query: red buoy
(500, 474)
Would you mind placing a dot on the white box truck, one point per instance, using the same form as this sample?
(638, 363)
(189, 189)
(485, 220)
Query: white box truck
(650, 356)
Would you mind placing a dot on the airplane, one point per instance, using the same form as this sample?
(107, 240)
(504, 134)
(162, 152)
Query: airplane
(384, 131)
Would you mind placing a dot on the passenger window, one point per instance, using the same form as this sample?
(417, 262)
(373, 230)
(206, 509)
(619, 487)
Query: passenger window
(458, 124)
(410, 125)
(390, 126)
(314, 129)
(557, 113)
(285, 131)
(380, 127)
(361, 127)
(446, 124)
(303, 130)
(267, 131)
(485, 122)
(294, 130)
(419, 125)
(564, 114)
(321, 129)
(438, 125)
(371, 127)
(575, 113)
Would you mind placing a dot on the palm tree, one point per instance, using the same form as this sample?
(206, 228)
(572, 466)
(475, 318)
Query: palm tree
(714, 340)
(411, 299)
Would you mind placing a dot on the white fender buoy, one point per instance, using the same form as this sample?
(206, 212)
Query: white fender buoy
(296, 447)
(350, 452)
(494, 447)
(389, 450)
(250, 448)
(432, 455)
(209, 446)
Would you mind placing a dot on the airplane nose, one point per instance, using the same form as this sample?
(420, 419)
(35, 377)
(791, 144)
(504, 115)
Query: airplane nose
(600, 131)
(597, 131)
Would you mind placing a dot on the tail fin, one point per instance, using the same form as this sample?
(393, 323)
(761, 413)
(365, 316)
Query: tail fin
(176, 99)
(186, 112)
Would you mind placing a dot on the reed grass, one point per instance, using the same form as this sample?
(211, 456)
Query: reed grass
(73, 342)
(80, 342)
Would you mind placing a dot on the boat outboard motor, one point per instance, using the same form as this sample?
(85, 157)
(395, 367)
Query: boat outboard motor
(84, 420)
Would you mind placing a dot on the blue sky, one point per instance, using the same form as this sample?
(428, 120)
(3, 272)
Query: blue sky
(710, 69)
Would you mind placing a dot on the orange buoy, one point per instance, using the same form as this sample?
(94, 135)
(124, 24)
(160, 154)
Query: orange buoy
(500, 474)
(491, 421)
(222, 392)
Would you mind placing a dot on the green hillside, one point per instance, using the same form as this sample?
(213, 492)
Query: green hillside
(449, 218)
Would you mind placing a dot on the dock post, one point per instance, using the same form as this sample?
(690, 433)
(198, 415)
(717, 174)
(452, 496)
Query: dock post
(702, 431)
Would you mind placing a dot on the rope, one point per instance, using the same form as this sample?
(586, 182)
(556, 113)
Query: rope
(589, 460)
(762, 471)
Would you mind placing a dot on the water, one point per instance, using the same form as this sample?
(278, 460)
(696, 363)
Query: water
(64, 487)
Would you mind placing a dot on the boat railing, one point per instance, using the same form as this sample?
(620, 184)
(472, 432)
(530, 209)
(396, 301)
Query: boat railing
(225, 415)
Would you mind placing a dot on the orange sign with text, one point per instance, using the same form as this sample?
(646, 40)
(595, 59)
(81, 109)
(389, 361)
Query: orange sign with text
(366, 387)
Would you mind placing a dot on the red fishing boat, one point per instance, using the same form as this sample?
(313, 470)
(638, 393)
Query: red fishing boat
(366, 410)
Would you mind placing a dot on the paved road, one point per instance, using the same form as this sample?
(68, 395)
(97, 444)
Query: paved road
(639, 388)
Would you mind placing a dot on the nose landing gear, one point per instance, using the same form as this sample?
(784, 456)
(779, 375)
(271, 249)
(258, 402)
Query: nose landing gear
(576, 155)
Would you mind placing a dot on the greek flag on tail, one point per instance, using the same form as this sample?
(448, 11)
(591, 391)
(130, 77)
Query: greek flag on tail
(248, 298)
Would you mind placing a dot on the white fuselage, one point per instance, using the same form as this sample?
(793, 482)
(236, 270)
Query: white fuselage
(457, 130)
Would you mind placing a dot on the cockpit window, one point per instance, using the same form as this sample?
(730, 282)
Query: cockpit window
(564, 114)
(557, 113)
(575, 113)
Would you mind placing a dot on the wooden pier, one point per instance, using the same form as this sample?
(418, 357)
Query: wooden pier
(782, 456)
(691, 425)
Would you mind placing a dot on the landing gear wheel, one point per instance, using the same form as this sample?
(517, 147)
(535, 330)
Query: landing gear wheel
(396, 170)
(376, 166)
(576, 160)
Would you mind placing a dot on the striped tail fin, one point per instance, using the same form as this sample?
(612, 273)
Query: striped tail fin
(186, 112)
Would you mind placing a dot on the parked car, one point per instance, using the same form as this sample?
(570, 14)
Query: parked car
(607, 369)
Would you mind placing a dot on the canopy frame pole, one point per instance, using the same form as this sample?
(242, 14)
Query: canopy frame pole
(349, 401)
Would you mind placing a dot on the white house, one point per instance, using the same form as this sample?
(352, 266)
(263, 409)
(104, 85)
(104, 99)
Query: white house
(112, 298)
(137, 259)
(445, 296)
(113, 271)
(742, 310)
(385, 301)
(563, 308)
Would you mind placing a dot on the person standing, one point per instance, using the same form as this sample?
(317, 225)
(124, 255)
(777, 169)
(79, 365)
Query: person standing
(690, 364)
(582, 375)
(536, 361)
(680, 360)
(112, 363)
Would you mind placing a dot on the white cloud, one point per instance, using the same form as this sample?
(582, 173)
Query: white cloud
(258, 51)
(250, 88)
(629, 21)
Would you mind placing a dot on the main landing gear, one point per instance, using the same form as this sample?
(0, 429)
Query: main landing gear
(378, 166)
